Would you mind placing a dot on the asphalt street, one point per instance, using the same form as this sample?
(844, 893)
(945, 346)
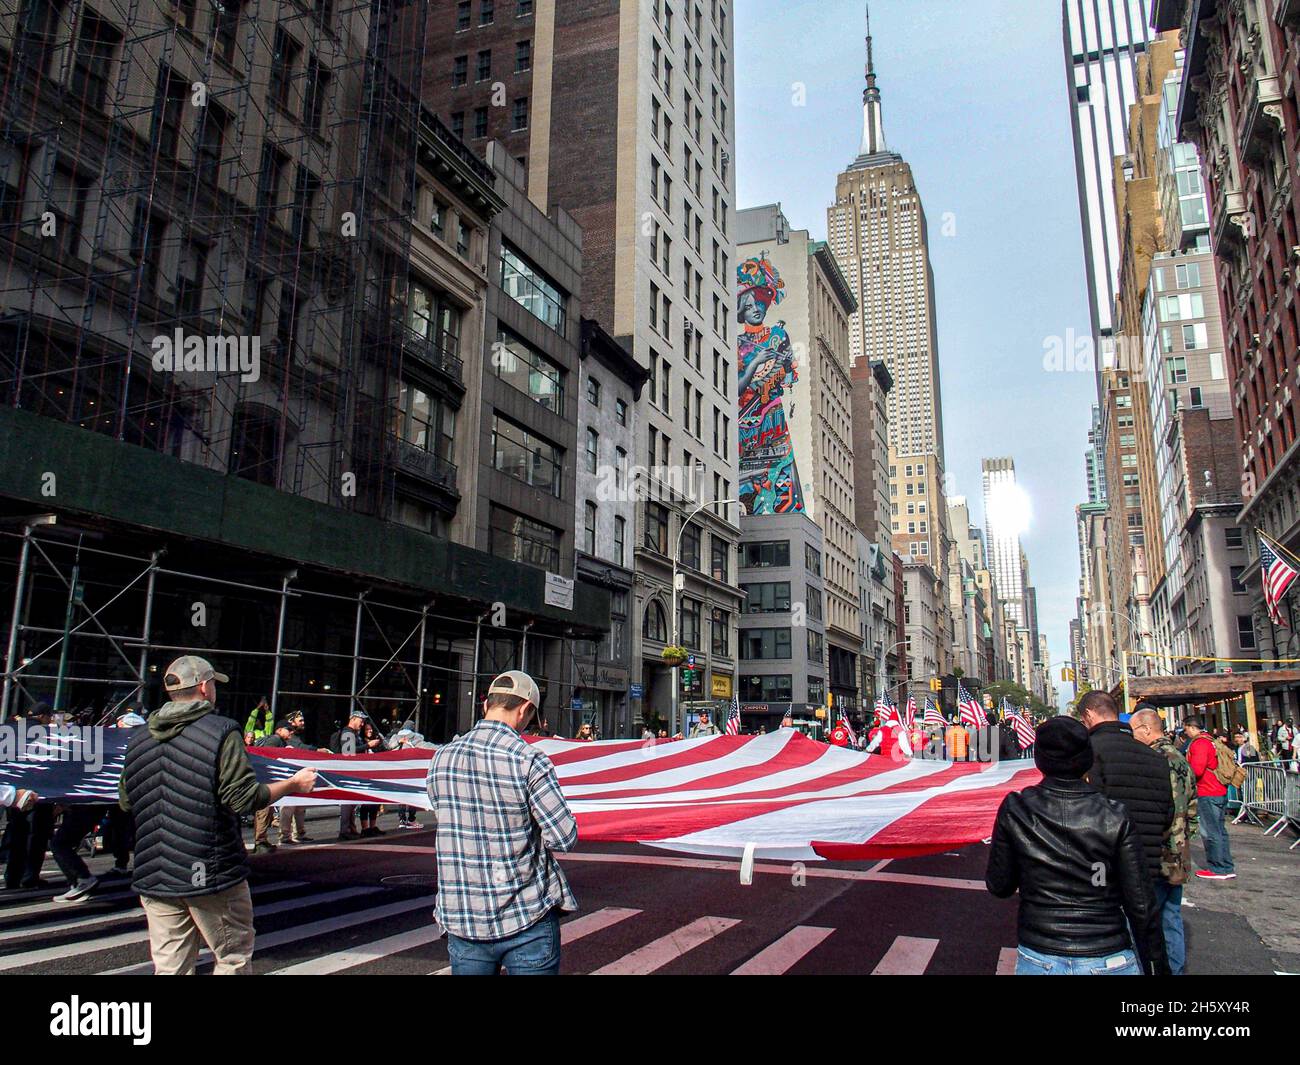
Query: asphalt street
(365, 907)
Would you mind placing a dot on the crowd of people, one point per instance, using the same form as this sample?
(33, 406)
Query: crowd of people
(1100, 851)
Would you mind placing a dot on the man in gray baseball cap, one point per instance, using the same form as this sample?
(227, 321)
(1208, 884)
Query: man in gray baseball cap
(188, 780)
(501, 816)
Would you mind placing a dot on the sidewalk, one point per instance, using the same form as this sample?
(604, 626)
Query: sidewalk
(1264, 900)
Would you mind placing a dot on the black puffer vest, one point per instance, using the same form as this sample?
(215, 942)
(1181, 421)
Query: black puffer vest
(186, 842)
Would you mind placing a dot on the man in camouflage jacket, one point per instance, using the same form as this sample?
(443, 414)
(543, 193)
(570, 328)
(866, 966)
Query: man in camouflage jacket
(1176, 861)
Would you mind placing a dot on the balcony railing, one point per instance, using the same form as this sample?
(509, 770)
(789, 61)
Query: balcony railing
(387, 324)
(421, 464)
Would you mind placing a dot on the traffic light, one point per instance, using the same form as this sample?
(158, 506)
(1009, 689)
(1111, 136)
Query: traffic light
(936, 685)
(1067, 674)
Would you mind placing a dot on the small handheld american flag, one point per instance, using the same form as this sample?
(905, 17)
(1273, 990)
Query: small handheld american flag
(1020, 725)
(911, 712)
(932, 714)
(733, 717)
(971, 713)
(1277, 576)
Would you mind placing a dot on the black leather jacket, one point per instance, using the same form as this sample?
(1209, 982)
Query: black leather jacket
(1077, 862)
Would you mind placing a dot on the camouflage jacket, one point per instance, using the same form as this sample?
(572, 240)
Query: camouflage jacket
(1175, 862)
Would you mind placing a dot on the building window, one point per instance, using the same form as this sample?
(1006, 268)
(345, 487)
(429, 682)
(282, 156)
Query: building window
(772, 597)
(589, 529)
(189, 277)
(423, 421)
(593, 450)
(690, 552)
(689, 624)
(776, 688)
(812, 560)
(1233, 537)
(761, 644)
(720, 632)
(526, 457)
(528, 370)
(169, 113)
(520, 539)
(1245, 632)
(620, 541)
(283, 60)
(519, 115)
(620, 412)
(523, 56)
(487, 12)
(593, 391)
(97, 41)
(767, 554)
(532, 289)
(656, 527)
(462, 16)
(480, 123)
(720, 570)
(460, 71)
(483, 65)
(654, 625)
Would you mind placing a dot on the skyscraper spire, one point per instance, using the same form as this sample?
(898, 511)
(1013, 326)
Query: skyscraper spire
(873, 123)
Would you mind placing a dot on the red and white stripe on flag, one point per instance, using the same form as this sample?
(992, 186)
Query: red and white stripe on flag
(1277, 576)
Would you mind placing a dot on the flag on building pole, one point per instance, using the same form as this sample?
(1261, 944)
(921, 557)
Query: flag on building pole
(969, 710)
(1277, 576)
(932, 714)
(733, 717)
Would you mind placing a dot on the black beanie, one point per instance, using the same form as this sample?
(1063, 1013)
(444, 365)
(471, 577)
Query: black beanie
(1061, 748)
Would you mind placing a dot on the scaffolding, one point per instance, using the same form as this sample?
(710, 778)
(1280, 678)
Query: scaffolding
(240, 171)
(92, 628)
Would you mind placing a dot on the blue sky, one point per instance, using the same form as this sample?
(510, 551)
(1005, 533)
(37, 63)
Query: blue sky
(975, 100)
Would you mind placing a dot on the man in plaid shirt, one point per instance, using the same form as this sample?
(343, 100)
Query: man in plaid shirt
(500, 815)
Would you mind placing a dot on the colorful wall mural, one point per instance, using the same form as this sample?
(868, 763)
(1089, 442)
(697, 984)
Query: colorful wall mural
(769, 478)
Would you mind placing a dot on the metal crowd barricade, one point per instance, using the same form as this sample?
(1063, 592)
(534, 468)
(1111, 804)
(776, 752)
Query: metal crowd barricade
(1270, 796)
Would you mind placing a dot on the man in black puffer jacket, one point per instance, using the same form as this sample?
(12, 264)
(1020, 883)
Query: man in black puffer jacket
(1129, 772)
(188, 779)
(1076, 860)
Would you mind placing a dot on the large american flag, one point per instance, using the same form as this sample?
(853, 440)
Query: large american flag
(792, 797)
(1277, 577)
(971, 712)
(932, 716)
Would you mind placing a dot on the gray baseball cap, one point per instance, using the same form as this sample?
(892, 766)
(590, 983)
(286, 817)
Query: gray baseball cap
(516, 682)
(189, 671)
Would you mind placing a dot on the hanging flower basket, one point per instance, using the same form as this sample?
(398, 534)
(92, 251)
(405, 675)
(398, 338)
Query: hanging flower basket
(674, 655)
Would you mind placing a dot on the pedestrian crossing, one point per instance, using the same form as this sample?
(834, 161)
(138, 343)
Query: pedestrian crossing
(319, 929)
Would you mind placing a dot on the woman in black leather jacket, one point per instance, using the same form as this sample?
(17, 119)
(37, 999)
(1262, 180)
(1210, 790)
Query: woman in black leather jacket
(1077, 862)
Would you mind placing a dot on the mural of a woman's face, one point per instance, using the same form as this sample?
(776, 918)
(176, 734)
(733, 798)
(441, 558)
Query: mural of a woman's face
(751, 309)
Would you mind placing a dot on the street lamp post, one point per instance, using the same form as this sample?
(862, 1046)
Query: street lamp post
(677, 549)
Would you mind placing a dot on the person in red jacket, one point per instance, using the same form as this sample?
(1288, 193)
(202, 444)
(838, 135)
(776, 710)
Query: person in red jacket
(890, 740)
(1211, 803)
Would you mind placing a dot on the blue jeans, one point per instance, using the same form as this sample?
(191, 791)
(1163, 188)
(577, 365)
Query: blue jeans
(533, 952)
(1169, 897)
(1218, 855)
(1032, 963)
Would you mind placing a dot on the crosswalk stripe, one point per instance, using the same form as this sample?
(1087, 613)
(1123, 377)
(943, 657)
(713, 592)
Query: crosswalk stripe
(779, 957)
(271, 940)
(124, 939)
(366, 952)
(47, 902)
(94, 920)
(1007, 961)
(573, 930)
(666, 949)
(906, 956)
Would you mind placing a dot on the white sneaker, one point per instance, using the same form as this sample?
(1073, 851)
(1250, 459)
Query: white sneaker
(80, 891)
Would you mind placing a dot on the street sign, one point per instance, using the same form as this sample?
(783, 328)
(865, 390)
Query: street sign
(636, 691)
(576, 703)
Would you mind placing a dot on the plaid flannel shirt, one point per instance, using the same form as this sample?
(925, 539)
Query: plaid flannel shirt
(500, 815)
